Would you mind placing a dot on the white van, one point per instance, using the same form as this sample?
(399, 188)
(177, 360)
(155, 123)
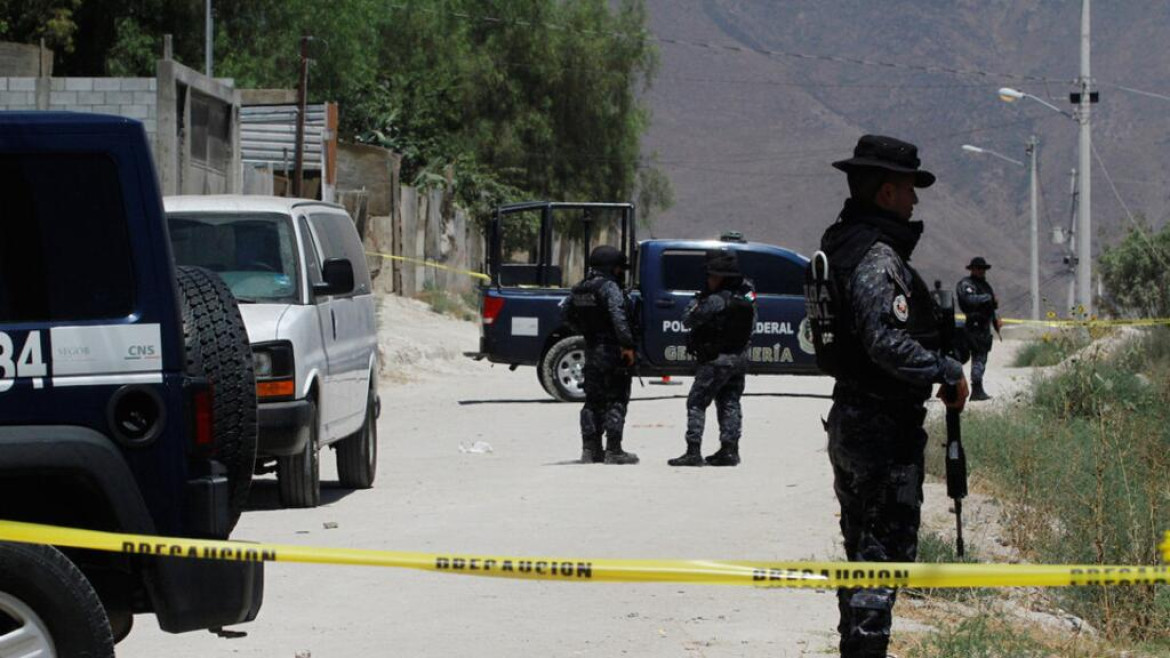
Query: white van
(299, 271)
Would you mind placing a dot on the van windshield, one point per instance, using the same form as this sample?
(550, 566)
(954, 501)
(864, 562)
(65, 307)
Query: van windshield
(254, 253)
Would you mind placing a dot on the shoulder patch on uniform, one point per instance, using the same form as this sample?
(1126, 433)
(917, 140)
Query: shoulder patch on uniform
(897, 279)
(901, 308)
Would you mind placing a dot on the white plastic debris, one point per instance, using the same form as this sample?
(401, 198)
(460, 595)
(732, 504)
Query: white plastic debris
(477, 448)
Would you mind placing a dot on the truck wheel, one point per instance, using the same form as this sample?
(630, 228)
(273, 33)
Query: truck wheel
(299, 476)
(563, 367)
(217, 348)
(47, 607)
(545, 382)
(357, 455)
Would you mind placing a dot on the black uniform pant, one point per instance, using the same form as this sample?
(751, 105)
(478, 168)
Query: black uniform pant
(607, 394)
(980, 341)
(720, 381)
(876, 449)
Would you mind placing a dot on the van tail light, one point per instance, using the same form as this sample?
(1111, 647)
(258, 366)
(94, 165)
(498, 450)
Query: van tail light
(491, 309)
(204, 419)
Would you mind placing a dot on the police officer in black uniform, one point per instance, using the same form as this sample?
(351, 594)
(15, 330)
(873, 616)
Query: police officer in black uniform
(721, 320)
(977, 301)
(600, 310)
(889, 364)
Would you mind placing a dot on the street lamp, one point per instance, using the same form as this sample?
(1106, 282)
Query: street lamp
(1009, 95)
(975, 149)
(1082, 98)
(1034, 187)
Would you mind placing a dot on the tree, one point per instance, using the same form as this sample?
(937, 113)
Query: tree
(1136, 273)
(29, 21)
(523, 98)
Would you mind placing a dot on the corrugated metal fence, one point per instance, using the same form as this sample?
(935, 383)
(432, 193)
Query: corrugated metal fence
(269, 135)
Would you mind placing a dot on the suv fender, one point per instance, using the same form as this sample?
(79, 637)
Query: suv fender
(83, 455)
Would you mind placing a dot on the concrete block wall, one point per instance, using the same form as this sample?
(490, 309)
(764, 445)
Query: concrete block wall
(18, 93)
(136, 98)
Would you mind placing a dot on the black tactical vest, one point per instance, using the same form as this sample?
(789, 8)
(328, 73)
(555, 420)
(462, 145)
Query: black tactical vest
(587, 312)
(729, 332)
(840, 351)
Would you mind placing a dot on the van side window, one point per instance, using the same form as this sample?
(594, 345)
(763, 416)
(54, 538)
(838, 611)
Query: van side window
(339, 239)
(64, 241)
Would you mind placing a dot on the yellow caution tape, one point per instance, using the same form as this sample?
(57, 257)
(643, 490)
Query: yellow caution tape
(1166, 547)
(1114, 322)
(817, 575)
(430, 263)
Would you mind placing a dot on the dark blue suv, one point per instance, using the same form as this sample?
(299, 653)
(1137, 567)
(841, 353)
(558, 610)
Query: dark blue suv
(127, 394)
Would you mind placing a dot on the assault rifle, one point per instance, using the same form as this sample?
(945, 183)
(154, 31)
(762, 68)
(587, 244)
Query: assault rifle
(956, 457)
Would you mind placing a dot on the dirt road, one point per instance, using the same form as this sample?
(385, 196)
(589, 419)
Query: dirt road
(528, 497)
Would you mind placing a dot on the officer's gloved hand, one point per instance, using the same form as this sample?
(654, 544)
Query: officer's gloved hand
(628, 356)
(955, 397)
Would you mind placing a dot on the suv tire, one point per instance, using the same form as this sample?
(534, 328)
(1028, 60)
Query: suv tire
(217, 348)
(559, 369)
(45, 598)
(357, 455)
(299, 476)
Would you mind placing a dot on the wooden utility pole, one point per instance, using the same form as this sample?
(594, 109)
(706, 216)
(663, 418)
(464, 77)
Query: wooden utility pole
(302, 94)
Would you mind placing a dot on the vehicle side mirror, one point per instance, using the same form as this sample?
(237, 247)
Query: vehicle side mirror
(336, 277)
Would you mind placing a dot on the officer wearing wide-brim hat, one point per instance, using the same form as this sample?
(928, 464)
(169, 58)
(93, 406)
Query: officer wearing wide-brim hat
(887, 154)
(977, 300)
(884, 357)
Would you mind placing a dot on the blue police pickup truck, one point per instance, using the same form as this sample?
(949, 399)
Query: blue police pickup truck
(127, 396)
(520, 310)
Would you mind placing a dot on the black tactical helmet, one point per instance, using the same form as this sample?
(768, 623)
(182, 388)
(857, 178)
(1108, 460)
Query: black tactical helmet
(606, 257)
(722, 262)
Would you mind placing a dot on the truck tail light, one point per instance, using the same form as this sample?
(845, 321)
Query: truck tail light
(491, 309)
(204, 417)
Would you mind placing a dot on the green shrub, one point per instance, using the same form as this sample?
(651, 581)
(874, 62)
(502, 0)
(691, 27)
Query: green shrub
(1083, 468)
(1050, 348)
(982, 636)
(934, 548)
(444, 303)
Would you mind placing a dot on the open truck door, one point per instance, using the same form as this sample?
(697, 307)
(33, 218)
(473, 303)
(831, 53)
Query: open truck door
(532, 265)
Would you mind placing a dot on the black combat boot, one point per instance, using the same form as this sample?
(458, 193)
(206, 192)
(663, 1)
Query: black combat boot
(727, 455)
(978, 394)
(615, 455)
(693, 457)
(592, 452)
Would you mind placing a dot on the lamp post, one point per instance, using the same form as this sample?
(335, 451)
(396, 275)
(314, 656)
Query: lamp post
(1034, 193)
(207, 39)
(1083, 98)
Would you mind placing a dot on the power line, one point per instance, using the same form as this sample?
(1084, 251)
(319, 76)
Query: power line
(1137, 227)
(740, 49)
(766, 82)
(1139, 92)
(786, 155)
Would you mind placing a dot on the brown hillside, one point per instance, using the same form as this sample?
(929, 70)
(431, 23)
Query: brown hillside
(747, 138)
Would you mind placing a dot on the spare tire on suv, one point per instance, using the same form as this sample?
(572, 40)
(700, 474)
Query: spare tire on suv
(218, 350)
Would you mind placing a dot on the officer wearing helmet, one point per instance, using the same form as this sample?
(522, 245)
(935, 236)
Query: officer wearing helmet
(599, 309)
(721, 320)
